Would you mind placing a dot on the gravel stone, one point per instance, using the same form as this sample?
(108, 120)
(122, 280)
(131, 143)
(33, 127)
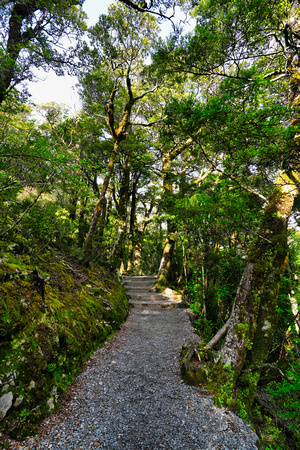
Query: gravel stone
(131, 396)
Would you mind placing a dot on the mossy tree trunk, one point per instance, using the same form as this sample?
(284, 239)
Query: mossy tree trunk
(253, 318)
(73, 204)
(166, 264)
(118, 134)
(261, 280)
(82, 222)
(17, 40)
(164, 274)
(122, 208)
(134, 257)
(100, 209)
(263, 336)
(166, 260)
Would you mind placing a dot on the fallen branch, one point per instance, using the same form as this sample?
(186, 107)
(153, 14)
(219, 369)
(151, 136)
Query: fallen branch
(69, 267)
(218, 336)
(107, 303)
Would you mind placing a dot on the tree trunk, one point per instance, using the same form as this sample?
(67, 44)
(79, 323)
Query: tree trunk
(164, 275)
(15, 43)
(82, 222)
(133, 230)
(118, 135)
(138, 258)
(73, 205)
(274, 227)
(129, 267)
(264, 333)
(100, 208)
(166, 260)
(250, 317)
(124, 194)
(253, 317)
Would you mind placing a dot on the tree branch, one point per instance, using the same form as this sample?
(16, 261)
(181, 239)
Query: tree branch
(177, 150)
(218, 336)
(150, 124)
(272, 366)
(145, 93)
(231, 177)
(146, 9)
(110, 112)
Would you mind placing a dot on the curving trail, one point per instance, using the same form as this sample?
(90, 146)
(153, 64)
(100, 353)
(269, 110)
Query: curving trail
(131, 396)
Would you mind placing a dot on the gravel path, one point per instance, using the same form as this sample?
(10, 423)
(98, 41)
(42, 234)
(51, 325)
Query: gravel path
(131, 396)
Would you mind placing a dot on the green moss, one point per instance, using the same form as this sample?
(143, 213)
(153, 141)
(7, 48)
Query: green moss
(202, 369)
(44, 344)
(205, 369)
(161, 283)
(242, 330)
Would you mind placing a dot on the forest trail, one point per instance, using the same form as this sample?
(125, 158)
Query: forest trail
(131, 395)
(140, 290)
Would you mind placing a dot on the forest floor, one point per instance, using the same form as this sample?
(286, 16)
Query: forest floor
(131, 396)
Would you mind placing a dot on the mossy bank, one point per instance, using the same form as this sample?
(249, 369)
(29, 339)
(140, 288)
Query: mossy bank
(53, 315)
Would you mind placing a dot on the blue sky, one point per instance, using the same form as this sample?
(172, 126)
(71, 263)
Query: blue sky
(51, 88)
(94, 8)
(62, 89)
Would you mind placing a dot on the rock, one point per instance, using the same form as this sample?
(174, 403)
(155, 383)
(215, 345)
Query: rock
(168, 291)
(5, 388)
(50, 404)
(18, 401)
(31, 384)
(5, 404)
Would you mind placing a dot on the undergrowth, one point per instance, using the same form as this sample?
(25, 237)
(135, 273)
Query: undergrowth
(275, 414)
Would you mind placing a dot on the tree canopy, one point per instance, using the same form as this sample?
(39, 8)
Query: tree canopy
(31, 37)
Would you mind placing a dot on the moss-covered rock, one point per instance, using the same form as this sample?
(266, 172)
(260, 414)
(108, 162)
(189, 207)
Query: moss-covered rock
(45, 339)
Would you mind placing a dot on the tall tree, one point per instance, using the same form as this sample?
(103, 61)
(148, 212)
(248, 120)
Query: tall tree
(231, 35)
(117, 58)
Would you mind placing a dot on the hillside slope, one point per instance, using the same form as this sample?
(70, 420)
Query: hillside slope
(53, 315)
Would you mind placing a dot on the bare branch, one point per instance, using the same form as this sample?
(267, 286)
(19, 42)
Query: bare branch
(150, 124)
(218, 336)
(145, 93)
(202, 178)
(276, 72)
(146, 9)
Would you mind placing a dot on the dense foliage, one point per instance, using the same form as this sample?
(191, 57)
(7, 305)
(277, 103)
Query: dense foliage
(184, 162)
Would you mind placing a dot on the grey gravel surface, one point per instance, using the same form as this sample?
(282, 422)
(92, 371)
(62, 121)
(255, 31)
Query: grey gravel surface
(131, 396)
